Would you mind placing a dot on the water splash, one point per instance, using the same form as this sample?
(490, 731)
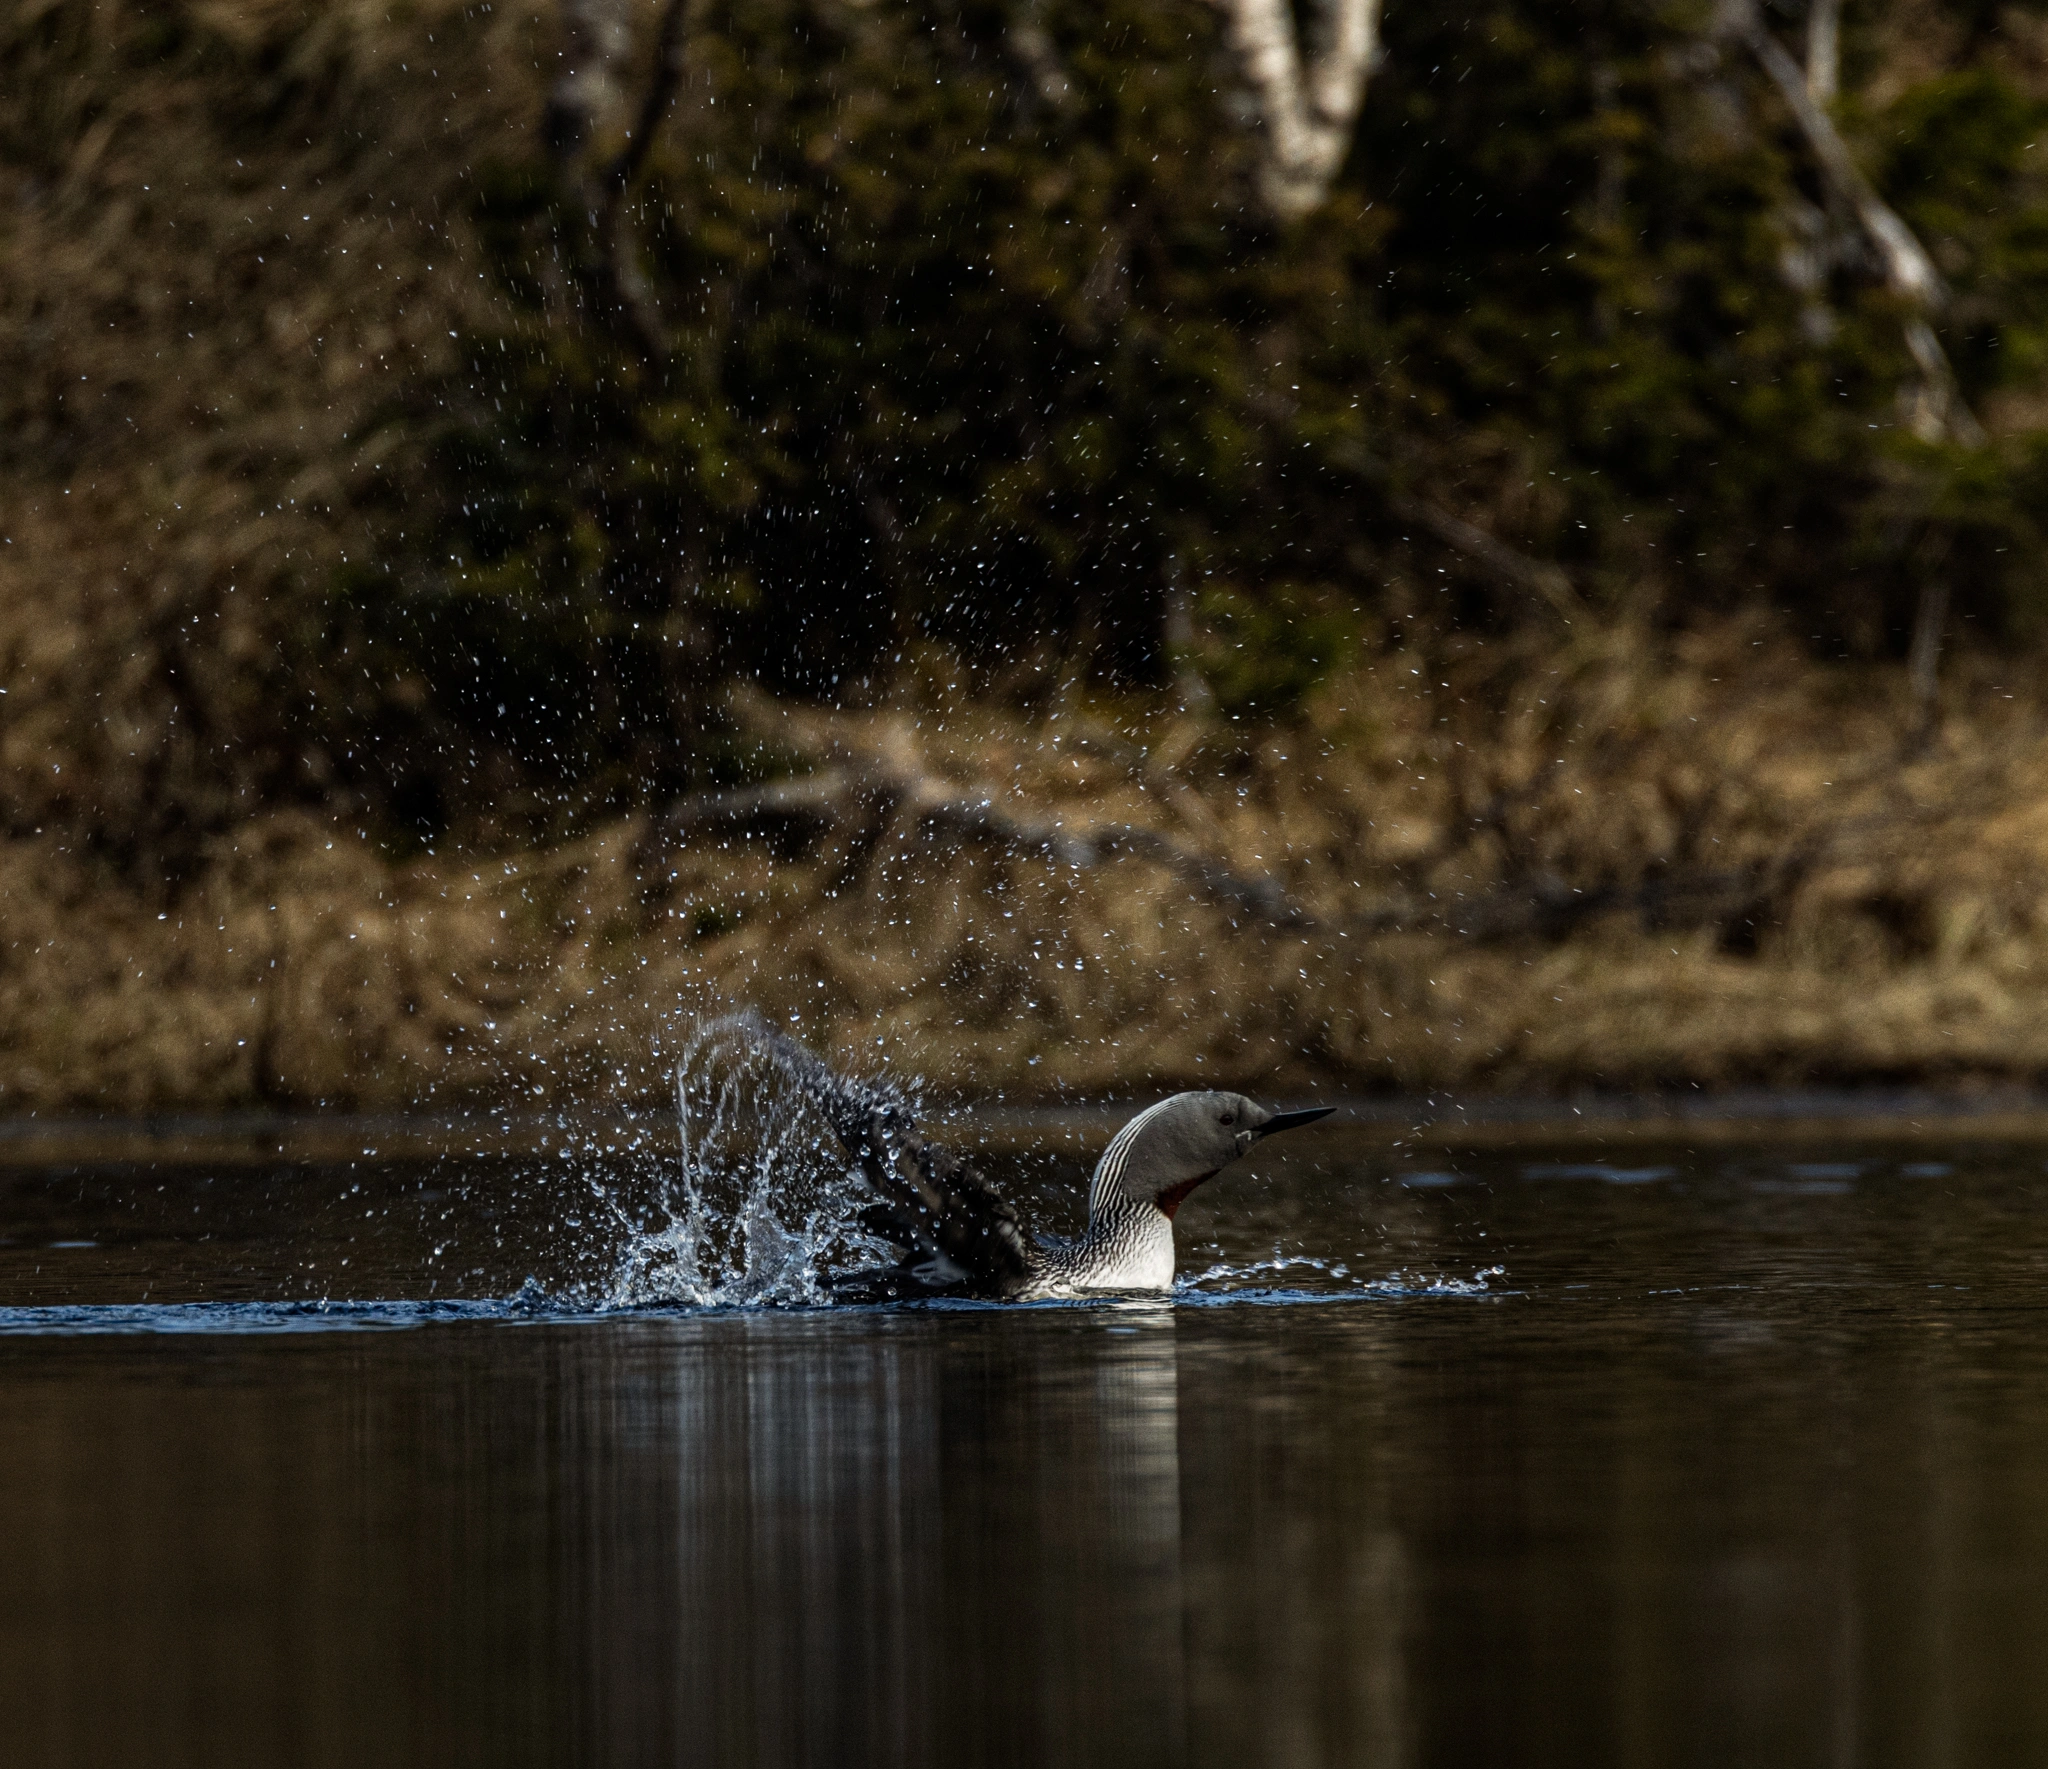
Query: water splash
(370, 1315)
(759, 1204)
(1298, 1277)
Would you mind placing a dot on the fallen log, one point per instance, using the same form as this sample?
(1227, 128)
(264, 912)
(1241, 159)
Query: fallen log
(1537, 906)
(869, 782)
(843, 797)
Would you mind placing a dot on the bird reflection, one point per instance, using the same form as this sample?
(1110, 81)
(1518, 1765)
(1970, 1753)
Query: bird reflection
(887, 1544)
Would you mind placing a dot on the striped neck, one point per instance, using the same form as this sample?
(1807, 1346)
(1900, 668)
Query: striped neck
(1105, 1189)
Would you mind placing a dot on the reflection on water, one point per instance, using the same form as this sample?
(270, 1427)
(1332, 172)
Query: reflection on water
(1738, 1462)
(731, 1541)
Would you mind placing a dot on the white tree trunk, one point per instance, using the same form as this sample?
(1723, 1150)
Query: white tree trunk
(1308, 100)
(586, 97)
(1823, 50)
(1934, 406)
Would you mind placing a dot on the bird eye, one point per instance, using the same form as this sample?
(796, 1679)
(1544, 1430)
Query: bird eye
(1228, 1118)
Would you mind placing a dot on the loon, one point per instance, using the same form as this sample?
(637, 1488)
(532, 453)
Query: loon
(957, 1237)
(1143, 1178)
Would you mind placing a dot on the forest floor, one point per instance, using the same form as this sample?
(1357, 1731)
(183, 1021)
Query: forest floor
(1601, 860)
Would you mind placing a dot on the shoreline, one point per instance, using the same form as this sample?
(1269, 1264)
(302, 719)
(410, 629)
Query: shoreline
(1629, 865)
(1477, 1122)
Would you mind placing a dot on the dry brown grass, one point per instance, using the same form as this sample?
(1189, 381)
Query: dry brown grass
(197, 360)
(1898, 927)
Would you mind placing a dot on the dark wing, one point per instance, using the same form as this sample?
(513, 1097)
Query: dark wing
(955, 1235)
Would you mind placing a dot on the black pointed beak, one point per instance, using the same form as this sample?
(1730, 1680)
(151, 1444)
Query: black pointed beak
(1294, 1120)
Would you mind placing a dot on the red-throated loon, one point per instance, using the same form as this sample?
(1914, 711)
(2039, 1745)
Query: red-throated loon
(957, 1237)
(1144, 1176)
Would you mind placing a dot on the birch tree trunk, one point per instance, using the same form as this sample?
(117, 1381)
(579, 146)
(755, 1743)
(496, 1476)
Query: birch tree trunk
(586, 98)
(1934, 405)
(1308, 95)
(587, 109)
(1823, 50)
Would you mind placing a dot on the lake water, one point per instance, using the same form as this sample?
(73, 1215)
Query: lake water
(1673, 1458)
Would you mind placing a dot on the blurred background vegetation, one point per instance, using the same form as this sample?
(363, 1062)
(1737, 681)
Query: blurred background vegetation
(384, 442)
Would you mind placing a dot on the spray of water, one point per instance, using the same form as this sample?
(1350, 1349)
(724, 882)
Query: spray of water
(760, 1202)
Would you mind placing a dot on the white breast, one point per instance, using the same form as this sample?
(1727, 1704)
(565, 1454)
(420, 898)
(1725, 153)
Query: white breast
(1143, 1262)
(1135, 1256)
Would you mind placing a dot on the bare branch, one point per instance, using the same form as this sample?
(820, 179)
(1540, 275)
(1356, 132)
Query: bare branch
(1823, 50)
(821, 799)
(1255, 894)
(1545, 579)
(1307, 100)
(634, 294)
(875, 778)
(1534, 905)
(654, 102)
(1488, 551)
(1935, 406)
(890, 786)
(1907, 268)
(588, 102)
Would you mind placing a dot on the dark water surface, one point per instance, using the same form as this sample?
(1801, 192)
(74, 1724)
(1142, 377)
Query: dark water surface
(1740, 1459)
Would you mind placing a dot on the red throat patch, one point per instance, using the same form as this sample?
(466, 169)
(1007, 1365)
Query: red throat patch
(1175, 1196)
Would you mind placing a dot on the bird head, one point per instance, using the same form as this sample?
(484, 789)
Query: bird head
(1167, 1150)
